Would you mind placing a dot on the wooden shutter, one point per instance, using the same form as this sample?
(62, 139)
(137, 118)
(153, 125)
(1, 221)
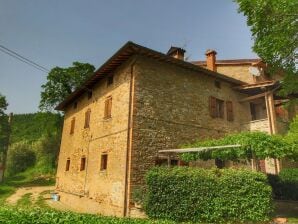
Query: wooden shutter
(212, 106)
(87, 118)
(230, 113)
(108, 108)
(72, 125)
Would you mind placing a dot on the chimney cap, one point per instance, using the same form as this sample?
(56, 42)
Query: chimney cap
(175, 49)
(210, 51)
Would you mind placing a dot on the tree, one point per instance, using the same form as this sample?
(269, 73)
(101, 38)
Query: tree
(3, 104)
(274, 25)
(292, 137)
(63, 81)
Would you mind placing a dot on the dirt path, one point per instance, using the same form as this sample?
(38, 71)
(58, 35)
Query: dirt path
(35, 192)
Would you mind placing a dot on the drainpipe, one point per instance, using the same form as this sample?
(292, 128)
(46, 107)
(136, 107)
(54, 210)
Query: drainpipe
(129, 140)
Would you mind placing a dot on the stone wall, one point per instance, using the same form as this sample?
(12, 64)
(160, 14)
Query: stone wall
(256, 125)
(171, 108)
(239, 72)
(93, 190)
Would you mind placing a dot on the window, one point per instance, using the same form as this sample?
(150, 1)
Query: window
(72, 125)
(110, 80)
(216, 107)
(75, 105)
(83, 163)
(217, 84)
(104, 162)
(89, 95)
(230, 113)
(108, 108)
(87, 118)
(67, 165)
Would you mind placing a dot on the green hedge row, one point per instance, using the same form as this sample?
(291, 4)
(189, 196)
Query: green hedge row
(20, 216)
(212, 196)
(285, 185)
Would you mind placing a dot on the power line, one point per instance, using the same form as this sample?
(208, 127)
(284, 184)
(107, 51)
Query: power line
(22, 58)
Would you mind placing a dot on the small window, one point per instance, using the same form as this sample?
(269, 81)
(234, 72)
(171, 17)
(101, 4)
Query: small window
(83, 163)
(104, 162)
(217, 84)
(216, 107)
(230, 113)
(72, 125)
(89, 95)
(110, 80)
(75, 105)
(108, 108)
(87, 118)
(67, 165)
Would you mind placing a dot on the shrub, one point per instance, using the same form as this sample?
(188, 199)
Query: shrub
(200, 195)
(12, 216)
(20, 157)
(285, 185)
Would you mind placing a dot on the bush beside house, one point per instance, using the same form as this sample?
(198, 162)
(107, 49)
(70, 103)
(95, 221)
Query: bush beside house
(200, 195)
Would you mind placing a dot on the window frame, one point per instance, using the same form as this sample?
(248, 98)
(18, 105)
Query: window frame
(104, 162)
(89, 94)
(87, 118)
(83, 163)
(108, 107)
(72, 126)
(110, 80)
(230, 110)
(216, 107)
(67, 165)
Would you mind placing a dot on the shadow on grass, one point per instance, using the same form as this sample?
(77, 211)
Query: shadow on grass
(288, 209)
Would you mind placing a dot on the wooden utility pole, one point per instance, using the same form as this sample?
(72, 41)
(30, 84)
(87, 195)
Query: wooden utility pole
(4, 154)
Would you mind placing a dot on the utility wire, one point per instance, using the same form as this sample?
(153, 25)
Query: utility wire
(22, 58)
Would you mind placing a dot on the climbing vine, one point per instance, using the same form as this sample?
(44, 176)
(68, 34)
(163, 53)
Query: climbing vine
(253, 145)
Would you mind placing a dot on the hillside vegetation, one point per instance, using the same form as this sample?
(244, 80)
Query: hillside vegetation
(34, 143)
(31, 127)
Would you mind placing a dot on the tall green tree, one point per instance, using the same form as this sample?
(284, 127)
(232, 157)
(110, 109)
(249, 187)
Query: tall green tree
(61, 82)
(3, 104)
(274, 26)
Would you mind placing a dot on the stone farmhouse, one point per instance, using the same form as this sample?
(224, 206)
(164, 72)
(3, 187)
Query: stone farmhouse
(141, 101)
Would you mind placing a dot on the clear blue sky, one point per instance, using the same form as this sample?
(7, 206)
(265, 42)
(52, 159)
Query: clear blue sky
(58, 32)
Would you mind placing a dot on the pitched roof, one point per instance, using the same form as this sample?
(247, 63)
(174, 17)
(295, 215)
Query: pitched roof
(123, 54)
(231, 62)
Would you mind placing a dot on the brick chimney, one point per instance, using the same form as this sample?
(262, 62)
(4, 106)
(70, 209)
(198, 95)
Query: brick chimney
(176, 52)
(211, 59)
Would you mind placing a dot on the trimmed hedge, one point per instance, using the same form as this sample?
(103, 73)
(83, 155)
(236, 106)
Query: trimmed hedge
(212, 196)
(285, 185)
(15, 216)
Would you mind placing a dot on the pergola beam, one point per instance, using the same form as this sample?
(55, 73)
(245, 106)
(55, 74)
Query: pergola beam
(200, 149)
